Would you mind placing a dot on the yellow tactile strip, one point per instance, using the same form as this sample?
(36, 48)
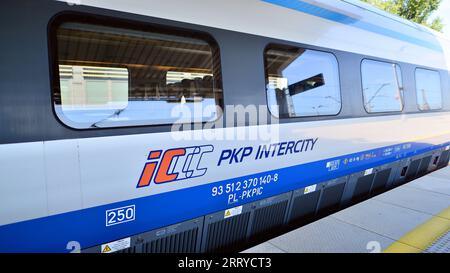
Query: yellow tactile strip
(420, 238)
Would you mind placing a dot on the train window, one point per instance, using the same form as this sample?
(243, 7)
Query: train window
(109, 77)
(428, 89)
(301, 82)
(382, 86)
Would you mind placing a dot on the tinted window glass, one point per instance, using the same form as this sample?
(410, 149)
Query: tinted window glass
(120, 77)
(428, 88)
(301, 82)
(382, 87)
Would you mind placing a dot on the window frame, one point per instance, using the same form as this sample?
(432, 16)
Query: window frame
(441, 89)
(403, 101)
(280, 46)
(116, 22)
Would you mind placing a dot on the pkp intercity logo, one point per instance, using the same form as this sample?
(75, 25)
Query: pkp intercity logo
(174, 165)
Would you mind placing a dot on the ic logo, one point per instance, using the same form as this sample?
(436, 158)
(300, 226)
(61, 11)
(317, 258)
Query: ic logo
(174, 165)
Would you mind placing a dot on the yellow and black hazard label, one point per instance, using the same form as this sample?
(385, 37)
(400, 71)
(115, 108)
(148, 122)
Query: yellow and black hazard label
(116, 245)
(106, 249)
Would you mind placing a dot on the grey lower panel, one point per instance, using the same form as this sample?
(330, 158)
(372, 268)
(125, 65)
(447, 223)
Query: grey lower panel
(304, 206)
(268, 216)
(184, 237)
(224, 234)
(400, 172)
(180, 242)
(436, 155)
(362, 187)
(331, 196)
(369, 182)
(309, 203)
(254, 221)
(444, 159)
(424, 165)
(381, 181)
(412, 169)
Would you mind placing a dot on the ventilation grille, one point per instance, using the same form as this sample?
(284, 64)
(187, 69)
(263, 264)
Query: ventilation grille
(268, 218)
(362, 188)
(330, 200)
(225, 235)
(304, 208)
(443, 162)
(183, 242)
(380, 181)
(423, 168)
(412, 170)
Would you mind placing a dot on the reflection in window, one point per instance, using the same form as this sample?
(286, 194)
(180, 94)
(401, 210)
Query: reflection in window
(428, 89)
(382, 87)
(85, 87)
(116, 77)
(301, 82)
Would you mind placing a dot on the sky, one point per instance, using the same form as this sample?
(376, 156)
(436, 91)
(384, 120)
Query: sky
(444, 12)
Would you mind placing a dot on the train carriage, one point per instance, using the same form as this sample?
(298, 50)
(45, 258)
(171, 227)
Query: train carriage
(207, 126)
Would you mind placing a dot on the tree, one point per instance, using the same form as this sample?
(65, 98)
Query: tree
(418, 11)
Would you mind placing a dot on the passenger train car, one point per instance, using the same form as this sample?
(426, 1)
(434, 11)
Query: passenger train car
(207, 126)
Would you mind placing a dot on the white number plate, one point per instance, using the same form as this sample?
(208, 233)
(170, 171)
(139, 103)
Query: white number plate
(120, 215)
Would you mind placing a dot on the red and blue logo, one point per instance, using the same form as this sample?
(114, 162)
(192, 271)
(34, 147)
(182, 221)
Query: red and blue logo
(174, 165)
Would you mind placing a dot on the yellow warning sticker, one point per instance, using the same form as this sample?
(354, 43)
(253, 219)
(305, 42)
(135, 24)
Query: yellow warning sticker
(368, 171)
(106, 249)
(116, 245)
(232, 212)
(309, 189)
